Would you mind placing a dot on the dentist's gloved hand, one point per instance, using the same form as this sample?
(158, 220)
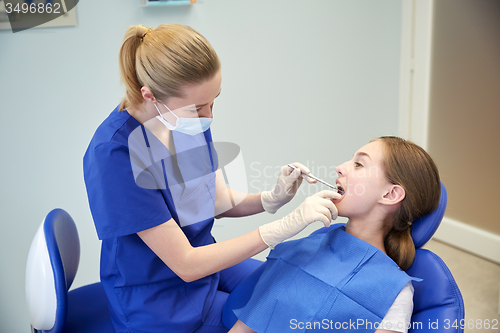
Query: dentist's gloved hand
(318, 207)
(288, 182)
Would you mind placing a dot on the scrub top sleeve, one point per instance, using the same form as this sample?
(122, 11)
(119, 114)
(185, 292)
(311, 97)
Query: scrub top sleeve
(119, 206)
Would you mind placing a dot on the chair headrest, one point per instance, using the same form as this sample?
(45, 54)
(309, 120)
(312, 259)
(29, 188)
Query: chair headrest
(424, 227)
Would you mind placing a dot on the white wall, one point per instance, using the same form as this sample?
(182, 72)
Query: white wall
(302, 81)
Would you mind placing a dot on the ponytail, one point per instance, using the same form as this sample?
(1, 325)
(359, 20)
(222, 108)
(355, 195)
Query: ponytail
(400, 247)
(128, 51)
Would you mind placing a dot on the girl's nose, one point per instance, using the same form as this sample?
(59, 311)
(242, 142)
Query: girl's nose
(340, 170)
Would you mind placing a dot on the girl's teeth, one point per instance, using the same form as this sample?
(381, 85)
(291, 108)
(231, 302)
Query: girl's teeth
(340, 189)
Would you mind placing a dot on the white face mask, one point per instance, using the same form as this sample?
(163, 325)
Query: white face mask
(190, 126)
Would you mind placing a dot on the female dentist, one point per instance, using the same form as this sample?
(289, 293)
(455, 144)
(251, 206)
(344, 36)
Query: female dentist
(160, 266)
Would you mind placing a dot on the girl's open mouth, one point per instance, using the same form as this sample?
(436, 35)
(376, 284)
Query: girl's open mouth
(340, 189)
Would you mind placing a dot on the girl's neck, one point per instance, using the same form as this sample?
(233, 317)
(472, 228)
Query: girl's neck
(368, 231)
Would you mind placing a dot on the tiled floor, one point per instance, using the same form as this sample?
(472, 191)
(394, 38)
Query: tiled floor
(479, 282)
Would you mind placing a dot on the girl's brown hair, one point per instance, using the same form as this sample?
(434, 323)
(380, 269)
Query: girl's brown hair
(408, 165)
(164, 59)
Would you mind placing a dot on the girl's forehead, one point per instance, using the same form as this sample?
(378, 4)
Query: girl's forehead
(374, 148)
(373, 152)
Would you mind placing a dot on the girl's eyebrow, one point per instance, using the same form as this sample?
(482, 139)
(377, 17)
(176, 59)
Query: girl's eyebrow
(362, 153)
(202, 105)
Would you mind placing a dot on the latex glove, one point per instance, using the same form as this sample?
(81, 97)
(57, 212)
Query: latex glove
(288, 182)
(318, 207)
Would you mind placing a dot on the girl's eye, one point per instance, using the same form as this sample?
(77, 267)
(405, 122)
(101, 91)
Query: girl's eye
(358, 165)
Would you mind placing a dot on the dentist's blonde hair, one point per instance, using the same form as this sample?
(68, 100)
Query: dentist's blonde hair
(164, 59)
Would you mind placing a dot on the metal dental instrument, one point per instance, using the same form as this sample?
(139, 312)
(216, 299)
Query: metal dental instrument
(336, 187)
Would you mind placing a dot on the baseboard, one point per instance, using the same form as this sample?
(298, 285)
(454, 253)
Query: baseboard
(471, 239)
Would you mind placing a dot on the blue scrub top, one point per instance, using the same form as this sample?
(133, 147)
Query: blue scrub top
(133, 184)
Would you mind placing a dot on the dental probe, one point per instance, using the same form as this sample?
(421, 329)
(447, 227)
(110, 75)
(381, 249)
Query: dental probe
(336, 187)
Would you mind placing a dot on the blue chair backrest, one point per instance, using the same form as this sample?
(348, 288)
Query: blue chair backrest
(424, 228)
(437, 302)
(52, 264)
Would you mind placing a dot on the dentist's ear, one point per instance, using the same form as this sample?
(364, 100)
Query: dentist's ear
(395, 194)
(148, 95)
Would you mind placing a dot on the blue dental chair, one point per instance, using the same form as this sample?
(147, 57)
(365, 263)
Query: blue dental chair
(438, 303)
(51, 268)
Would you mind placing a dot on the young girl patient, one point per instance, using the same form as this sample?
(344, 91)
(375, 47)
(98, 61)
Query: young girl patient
(350, 278)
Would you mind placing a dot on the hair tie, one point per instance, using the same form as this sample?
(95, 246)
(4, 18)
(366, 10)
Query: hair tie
(410, 223)
(144, 35)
